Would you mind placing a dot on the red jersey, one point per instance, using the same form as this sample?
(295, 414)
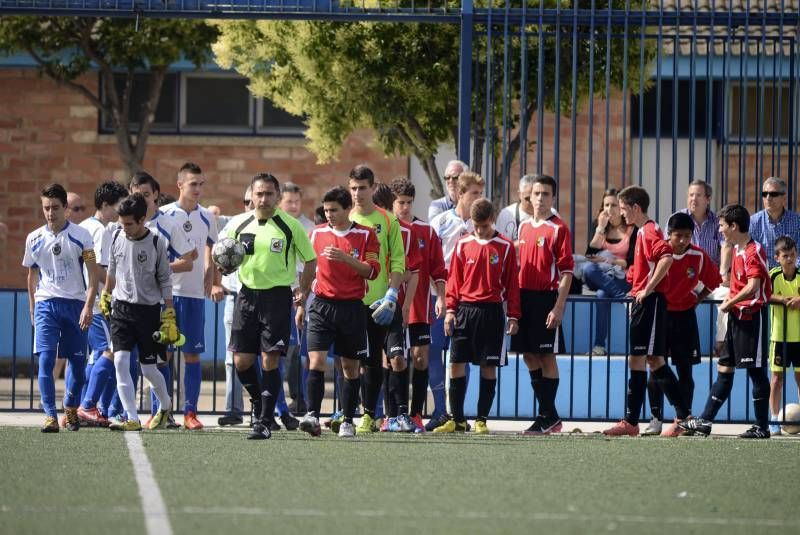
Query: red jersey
(431, 269)
(650, 248)
(750, 262)
(337, 280)
(413, 259)
(545, 252)
(689, 275)
(484, 271)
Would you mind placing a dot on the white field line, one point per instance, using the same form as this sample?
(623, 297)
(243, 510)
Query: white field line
(156, 519)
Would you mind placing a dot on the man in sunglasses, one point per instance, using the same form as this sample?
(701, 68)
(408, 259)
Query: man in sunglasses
(76, 208)
(775, 219)
(448, 202)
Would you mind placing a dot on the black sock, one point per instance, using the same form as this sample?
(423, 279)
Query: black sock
(637, 384)
(272, 382)
(686, 382)
(316, 390)
(668, 384)
(549, 391)
(656, 397)
(350, 388)
(371, 385)
(400, 390)
(390, 393)
(536, 381)
(250, 382)
(458, 391)
(720, 391)
(758, 376)
(419, 391)
(486, 397)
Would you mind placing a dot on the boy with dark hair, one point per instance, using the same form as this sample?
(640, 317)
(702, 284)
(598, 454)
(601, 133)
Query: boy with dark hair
(747, 337)
(483, 275)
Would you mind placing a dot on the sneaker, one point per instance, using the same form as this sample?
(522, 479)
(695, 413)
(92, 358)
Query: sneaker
(310, 424)
(696, 425)
(171, 423)
(542, 426)
(259, 432)
(290, 423)
(73, 422)
(389, 424)
(481, 428)
(451, 426)
(377, 423)
(774, 429)
(92, 418)
(598, 351)
(365, 426)
(230, 419)
(50, 425)
(672, 430)
(405, 424)
(335, 421)
(159, 420)
(347, 430)
(653, 428)
(127, 425)
(191, 422)
(755, 432)
(621, 429)
(420, 427)
(437, 421)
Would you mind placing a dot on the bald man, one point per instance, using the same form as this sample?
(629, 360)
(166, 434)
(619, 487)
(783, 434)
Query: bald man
(76, 208)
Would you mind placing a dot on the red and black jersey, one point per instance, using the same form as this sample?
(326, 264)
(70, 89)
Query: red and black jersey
(650, 248)
(545, 252)
(750, 262)
(413, 258)
(431, 270)
(689, 275)
(484, 271)
(337, 280)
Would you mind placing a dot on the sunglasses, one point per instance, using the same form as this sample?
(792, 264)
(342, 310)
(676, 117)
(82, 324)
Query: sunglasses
(449, 178)
(773, 194)
(246, 201)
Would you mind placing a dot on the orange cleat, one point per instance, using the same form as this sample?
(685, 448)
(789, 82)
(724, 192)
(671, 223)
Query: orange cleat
(621, 429)
(191, 422)
(92, 417)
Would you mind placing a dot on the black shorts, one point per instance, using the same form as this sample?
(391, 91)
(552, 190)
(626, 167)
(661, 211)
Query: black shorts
(132, 326)
(785, 355)
(341, 323)
(376, 340)
(683, 338)
(396, 336)
(479, 334)
(648, 335)
(747, 341)
(533, 335)
(262, 321)
(419, 334)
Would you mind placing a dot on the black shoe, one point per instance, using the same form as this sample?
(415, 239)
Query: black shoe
(696, 425)
(755, 432)
(273, 424)
(259, 432)
(255, 412)
(437, 422)
(290, 422)
(230, 419)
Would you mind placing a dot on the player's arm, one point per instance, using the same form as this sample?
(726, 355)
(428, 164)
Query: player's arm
(397, 256)
(438, 272)
(33, 280)
(750, 289)
(453, 292)
(661, 270)
(511, 284)
(565, 264)
(91, 291)
(306, 252)
(212, 278)
(183, 263)
(411, 290)
(725, 256)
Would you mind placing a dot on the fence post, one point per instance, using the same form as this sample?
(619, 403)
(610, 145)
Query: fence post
(465, 82)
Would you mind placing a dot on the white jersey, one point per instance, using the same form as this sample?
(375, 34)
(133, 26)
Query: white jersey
(450, 228)
(102, 245)
(200, 227)
(59, 258)
(509, 219)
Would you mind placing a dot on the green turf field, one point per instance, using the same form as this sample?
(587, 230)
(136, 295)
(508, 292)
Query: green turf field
(217, 482)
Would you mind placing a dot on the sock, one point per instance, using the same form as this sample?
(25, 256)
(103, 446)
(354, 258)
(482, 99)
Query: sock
(668, 383)
(316, 391)
(486, 393)
(637, 384)
(281, 407)
(125, 385)
(371, 385)
(47, 385)
(656, 397)
(165, 372)
(436, 381)
(400, 389)
(271, 382)
(686, 383)
(250, 381)
(549, 391)
(191, 382)
(109, 392)
(419, 390)
(350, 390)
(389, 405)
(87, 372)
(73, 385)
(758, 376)
(720, 391)
(103, 369)
(458, 391)
(340, 381)
(157, 384)
(536, 382)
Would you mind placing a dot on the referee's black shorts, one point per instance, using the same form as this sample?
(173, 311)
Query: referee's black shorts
(132, 326)
(337, 322)
(262, 321)
(479, 334)
(648, 334)
(747, 341)
(683, 337)
(533, 335)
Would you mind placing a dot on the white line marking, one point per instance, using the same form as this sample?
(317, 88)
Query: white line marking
(156, 519)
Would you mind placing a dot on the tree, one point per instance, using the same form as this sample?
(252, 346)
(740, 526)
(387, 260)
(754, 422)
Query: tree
(65, 48)
(401, 80)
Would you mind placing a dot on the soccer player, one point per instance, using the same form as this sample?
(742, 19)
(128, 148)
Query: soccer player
(649, 284)
(431, 271)
(747, 338)
(785, 323)
(347, 257)
(137, 282)
(693, 275)
(545, 275)
(60, 302)
(381, 298)
(273, 243)
(191, 287)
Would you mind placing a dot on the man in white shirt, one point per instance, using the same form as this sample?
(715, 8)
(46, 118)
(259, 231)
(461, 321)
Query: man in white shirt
(451, 172)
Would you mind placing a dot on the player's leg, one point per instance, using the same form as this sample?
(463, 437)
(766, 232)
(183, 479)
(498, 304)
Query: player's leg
(419, 341)
(103, 368)
(372, 374)
(190, 314)
(45, 345)
(318, 362)
(290, 423)
(398, 373)
(656, 398)
(124, 320)
(486, 393)
(149, 354)
(436, 376)
(350, 389)
(462, 351)
(234, 406)
(758, 347)
(72, 346)
(551, 422)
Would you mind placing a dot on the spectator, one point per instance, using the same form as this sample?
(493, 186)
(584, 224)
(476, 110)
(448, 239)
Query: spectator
(511, 216)
(451, 172)
(775, 220)
(76, 208)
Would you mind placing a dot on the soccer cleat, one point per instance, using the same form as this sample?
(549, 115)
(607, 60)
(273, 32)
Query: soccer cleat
(420, 427)
(347, 430)
(755, 432)
(621, 429)
(774, 429)
(377, 423)
(653, 428)
(481, 428)
(290, 422)
(543, 426)
(259, 432)
(273, 424)
(50, 425)
(451, 426)
(229, 419)
(159, 420)
(696, 425)
(405, 424)
(388, 424)
(191, 422)
(127, 425)
(672, 430)
(436, 421)
(73, 422)
(335, 421)
(366, 425)
(92, 418)
(310, 424)
(171, 423)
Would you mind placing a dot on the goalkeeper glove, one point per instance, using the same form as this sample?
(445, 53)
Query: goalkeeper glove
(385, 307)
(105, 304)
(169, 327)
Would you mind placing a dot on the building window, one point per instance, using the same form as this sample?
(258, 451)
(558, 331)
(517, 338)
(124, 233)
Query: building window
(752, 118)
(669, 115)
(166, 111)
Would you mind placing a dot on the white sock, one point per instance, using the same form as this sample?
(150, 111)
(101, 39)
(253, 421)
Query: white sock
(158, 384)
(125, 386)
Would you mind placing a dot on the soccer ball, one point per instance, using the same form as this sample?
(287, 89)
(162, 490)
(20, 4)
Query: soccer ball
(792, 415)
(228, 254)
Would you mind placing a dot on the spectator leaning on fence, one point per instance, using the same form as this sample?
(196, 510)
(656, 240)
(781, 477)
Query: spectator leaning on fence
(775, 220)
(451, 172)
